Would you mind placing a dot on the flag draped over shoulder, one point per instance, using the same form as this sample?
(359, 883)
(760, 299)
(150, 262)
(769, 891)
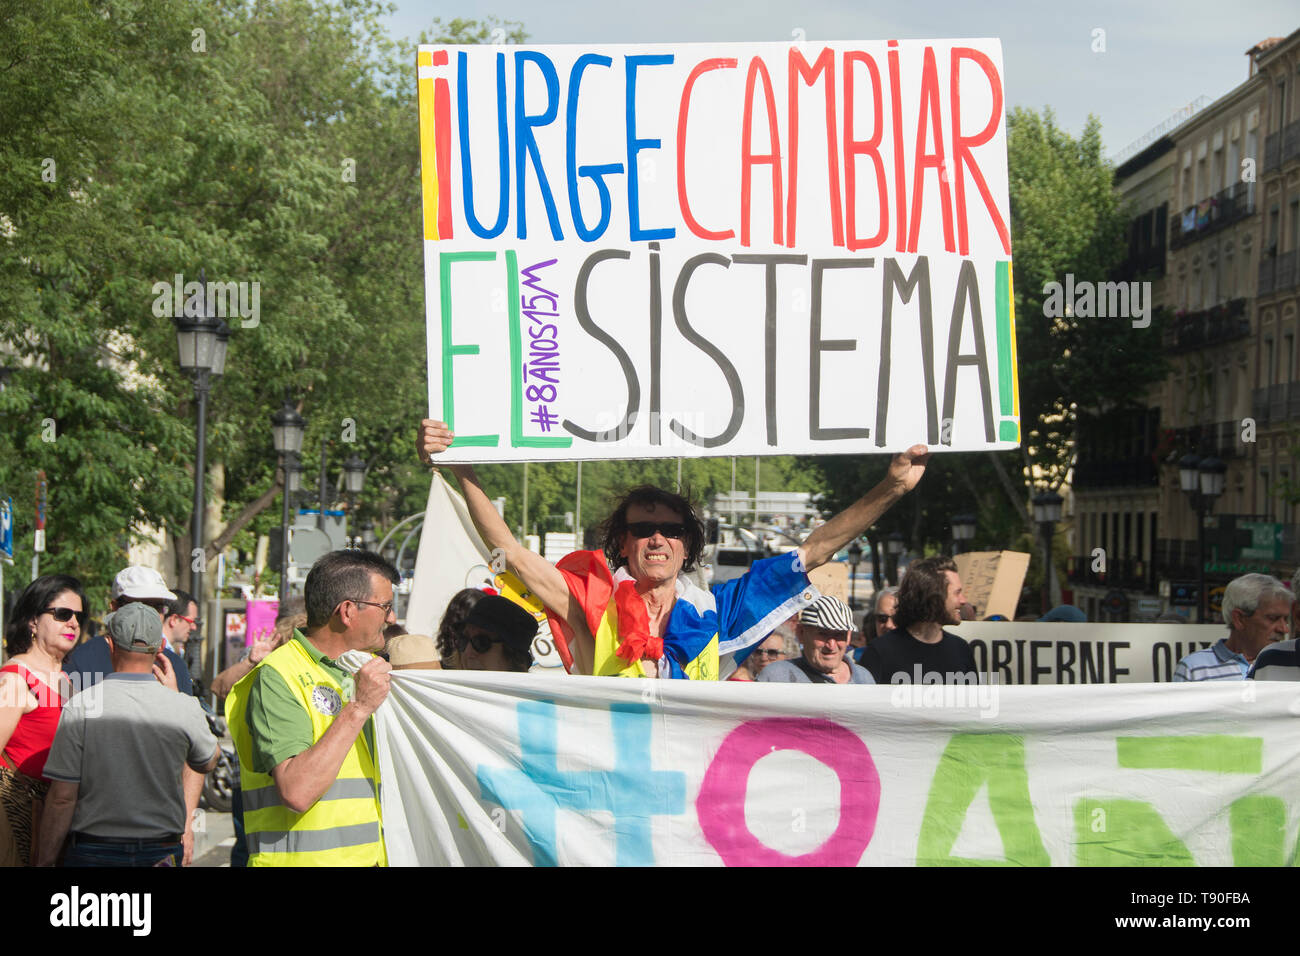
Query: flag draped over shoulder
(707, 630)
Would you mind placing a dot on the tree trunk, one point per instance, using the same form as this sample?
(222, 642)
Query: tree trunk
(249, 512)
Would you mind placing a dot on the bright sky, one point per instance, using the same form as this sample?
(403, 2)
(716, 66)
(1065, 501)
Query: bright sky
(1158, 56)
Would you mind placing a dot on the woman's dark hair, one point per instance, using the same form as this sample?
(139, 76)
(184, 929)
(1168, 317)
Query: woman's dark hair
(923, 592)
(614, 528)
(458, 608)
(31, 604)
(519, 658)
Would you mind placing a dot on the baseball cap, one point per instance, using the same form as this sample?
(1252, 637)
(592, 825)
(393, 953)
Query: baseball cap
(136, 628)
(830, 613)
(140, 583)
(412, 651)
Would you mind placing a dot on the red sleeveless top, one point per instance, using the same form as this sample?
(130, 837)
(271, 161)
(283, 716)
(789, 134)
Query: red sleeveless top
(29, 745)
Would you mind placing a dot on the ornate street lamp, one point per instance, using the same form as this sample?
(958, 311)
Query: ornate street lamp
(201, 342)
(894, 547)
(354, 479)
(287, 428)
(963, 530)
(1047, 512)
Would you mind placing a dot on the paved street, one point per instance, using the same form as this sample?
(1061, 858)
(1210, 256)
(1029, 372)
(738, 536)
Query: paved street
(212, 843)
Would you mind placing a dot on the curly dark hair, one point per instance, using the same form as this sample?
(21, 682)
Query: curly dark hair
(31, 604)
(614, 528)
(518, 658)
(458, 608)
(923, 592)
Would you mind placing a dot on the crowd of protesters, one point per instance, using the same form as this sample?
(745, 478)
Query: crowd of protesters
(80, 791)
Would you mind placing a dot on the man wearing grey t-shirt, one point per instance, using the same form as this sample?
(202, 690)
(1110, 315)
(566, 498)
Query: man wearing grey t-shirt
(824, 629)
(117, 759)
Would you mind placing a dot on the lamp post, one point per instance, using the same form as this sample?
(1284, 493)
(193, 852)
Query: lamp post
(963, 530)
(855, 558)
(287, 428)
(894, 545)
(368, 539)
(1201, 479)
(1047, 511)
(201, 341)
(354, 479)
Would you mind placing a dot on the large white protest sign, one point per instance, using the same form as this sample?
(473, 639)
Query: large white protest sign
(1066, 653)
(731, 248)
(519, 769)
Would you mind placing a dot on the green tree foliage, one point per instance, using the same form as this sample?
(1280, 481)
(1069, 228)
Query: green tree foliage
(270, 143)
(552, 487)
(1066, 218)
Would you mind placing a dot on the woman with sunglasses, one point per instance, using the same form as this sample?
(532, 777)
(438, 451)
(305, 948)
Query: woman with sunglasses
(46, 623)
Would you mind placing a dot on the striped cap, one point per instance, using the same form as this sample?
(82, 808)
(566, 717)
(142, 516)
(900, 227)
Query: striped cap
(830, 613)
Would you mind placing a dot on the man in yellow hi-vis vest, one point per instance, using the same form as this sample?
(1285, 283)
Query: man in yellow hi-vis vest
(301, 724)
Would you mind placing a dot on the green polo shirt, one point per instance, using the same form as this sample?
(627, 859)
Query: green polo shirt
(278, 727)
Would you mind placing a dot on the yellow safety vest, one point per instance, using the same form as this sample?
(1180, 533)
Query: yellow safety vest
(343, 827)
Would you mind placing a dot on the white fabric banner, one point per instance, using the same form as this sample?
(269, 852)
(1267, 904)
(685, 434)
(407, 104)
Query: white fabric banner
(453, 558)
(519, 769)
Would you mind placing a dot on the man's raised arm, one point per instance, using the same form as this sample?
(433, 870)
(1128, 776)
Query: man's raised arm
(537, 574)
(904, 472)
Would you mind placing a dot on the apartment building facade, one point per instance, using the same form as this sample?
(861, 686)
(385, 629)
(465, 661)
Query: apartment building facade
(1228, 284)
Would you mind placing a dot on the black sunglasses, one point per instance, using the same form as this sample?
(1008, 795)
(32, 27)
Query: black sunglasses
(65, 614)
(647, 529)
(481, 640)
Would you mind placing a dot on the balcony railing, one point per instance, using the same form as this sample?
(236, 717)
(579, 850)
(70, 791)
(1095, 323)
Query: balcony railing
(1212, 326)
(1276, 403)
(1277, 273)
(1221, 439)
(1148, 262)
(1282, 147)
(1210, 215)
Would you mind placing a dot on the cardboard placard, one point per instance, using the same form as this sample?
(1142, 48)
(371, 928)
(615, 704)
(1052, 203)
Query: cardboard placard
(992, 581)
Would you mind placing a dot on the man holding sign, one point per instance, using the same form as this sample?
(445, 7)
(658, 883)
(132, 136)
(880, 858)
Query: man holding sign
(644, 618)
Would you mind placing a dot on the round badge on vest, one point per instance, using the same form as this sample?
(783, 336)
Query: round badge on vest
(326, 700)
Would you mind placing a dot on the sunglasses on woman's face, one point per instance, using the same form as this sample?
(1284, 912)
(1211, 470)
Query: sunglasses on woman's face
(65, 614)
(481, 640)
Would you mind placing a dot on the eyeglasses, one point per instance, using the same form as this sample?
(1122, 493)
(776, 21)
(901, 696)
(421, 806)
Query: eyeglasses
(187, 620)
(387, 607)
(884, 618)
(767, 654)
(647, 529)
(481, 640)
(65, 614)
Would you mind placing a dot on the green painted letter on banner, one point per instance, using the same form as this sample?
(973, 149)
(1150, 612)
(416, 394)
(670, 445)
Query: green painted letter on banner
(1125, 833)
(969, 762)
